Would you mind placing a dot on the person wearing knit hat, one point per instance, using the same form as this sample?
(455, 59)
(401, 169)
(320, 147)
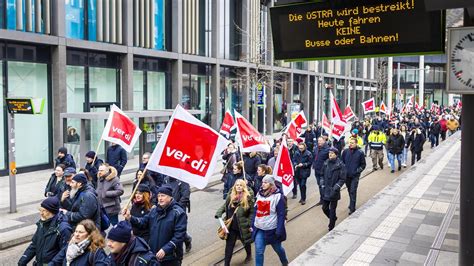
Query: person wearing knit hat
(93, 166)
(269, 222)
(52, 234)
(166, 224)
(334, 150)
(80, 178)
(64, 158)
(126, 249)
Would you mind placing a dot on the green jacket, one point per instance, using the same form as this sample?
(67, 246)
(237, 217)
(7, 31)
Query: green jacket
(244, 218)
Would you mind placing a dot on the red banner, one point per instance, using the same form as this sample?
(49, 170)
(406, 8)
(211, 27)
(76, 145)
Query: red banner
(336, 114)
(227, 124)
(120, 129)
(249, 138)
(284, 169)
(295, 128)
(348, 113)
(338, 130)
(369, 106)
(325, 123)
(188, 157)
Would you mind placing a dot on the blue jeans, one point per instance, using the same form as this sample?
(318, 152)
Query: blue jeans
(391, 159)
(405, 156)
(113, 219)
(260, 249)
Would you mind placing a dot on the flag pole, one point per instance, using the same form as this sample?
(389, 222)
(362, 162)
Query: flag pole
(96, 151)
(135, 189)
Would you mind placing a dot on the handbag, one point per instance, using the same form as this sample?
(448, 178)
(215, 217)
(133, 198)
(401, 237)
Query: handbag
(221, 233)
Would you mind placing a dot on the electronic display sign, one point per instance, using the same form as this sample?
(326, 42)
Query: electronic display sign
(358, 28)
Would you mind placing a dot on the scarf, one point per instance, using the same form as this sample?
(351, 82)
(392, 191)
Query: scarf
(76, 250)
(237, 198)
(120, 257)
(269, 191)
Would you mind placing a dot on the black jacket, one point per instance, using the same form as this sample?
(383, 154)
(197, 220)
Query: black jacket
(354, 160)
(97, 258)
(138, 210)
(181, 192)
(395, 144)
(137, 252)
(415, 142)
(251, 164)
(84, 206)
(435, 128)
(67, 160)
(167, 230)
(93, 170)
(53, 188)
(117, 157)
(334, 177)
(50, 237)
(320, 155)
(306, 159)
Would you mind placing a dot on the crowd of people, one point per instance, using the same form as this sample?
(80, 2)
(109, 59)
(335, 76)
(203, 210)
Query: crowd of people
(80, 216)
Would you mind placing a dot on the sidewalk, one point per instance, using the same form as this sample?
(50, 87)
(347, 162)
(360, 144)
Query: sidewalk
(413, 221)
(19, 227)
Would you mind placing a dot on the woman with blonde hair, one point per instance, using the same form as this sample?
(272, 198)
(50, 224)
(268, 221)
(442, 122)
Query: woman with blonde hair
(85, 248)
(239, 204)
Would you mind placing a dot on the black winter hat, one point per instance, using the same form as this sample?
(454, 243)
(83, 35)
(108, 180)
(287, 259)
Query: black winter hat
(143, 188)
(90, 154)
(62, 150)
(121, 232)
(80, 178)
(165, 189)
(51, 204)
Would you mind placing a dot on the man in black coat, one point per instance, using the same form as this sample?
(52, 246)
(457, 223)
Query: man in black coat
(415, 143)
(435, 131)
(53, 233)
(320, 155)
(309, 138)
(395, 145)
(93, 169)
(126, 249)
(167, 224)
(334, 177)
(182, 196)
(354, 160)
(302, 164)
(116, 157)
(64, 158)
(84, 202)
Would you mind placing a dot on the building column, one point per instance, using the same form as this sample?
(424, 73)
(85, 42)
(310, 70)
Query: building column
(216, 103)
(269, 105)
(421, 84)
(177, 47)
(389, 83)
(305, 95)
(58, 19)
(176, 82)
(246, 95)
(59, 92)
(127, 81)
(127, 30)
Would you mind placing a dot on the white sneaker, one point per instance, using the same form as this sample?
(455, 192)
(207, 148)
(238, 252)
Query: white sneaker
(404, 164)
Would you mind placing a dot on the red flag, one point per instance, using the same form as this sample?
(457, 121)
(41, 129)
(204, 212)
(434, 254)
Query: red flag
(249, 138)
(284, 172)
(336, 114)
(295, 128)
(120, 129)
(227, 124)
(369, 105)
(417, 107)
(189, 157)
(348, 113)
(338, 130)
(459, 105)
(325, 123)
(383, 108)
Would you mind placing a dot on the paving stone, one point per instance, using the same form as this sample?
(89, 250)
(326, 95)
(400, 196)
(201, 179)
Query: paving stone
(412, 257)
(447, 258)
(427, 230)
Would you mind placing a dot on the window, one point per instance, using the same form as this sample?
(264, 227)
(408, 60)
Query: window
(196, 89)
(230, 24)
(151, 84)
(31, 80)
(2, 126)
(232, 86)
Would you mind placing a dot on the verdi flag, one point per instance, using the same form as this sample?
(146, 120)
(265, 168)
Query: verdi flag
(369, 105)
(120, 129)
(336, 114)
(249, 138)
(284, 172)
(325, 124)
(295, 128)
(338, 129)
(348, 113)
(227, 124)
(188, 149)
